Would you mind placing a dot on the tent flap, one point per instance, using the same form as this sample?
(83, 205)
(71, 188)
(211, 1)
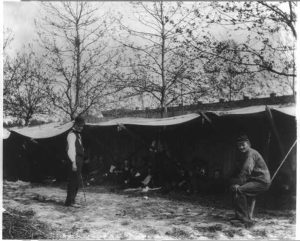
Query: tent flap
(43, 131)
(149, 121)
(288, 110)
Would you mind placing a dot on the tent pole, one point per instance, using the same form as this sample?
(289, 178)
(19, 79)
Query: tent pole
(205, 117)
(271, 119)
(267, 148)
(283, 160)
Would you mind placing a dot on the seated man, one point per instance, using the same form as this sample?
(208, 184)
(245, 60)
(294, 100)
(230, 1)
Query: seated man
(126, 171)
(200, 180)
(253, 179)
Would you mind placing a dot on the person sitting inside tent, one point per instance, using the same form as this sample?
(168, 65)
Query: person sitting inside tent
(147, 179)
(114, 175)
(218, 184)
(253, 179)
(126, 172)
(161, 161)
(200, 182)
(184, 181)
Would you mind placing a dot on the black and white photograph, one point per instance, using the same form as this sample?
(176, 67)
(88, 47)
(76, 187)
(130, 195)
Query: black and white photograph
(149, 120)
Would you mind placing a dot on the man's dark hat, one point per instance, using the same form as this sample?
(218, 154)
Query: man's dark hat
(242, 138)
(79, 120)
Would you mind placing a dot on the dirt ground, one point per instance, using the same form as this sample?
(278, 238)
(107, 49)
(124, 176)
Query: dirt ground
(133, 215)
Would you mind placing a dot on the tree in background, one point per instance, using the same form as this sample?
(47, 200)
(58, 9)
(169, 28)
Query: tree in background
(74, 35)
(8, 37)
(26, 87)
(270, 33)
(265, 39)
(227, 78)
(157, 65)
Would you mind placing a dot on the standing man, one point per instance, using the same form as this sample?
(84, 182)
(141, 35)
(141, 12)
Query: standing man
(253, 179)
(75, 153)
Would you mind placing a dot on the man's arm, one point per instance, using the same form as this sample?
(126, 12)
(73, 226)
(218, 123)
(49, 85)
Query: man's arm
(72, 150)
(247, 169)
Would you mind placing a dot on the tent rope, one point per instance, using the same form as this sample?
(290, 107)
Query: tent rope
(283, 160)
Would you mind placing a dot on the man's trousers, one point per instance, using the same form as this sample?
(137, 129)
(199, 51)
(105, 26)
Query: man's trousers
(74, 181)
(244, 195)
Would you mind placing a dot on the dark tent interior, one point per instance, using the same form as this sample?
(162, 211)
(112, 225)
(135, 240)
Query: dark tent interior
(208, 140)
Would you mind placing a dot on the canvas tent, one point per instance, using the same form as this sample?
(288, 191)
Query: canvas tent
(176, 120)
(43, 131)
(35, 153)
(192, 138)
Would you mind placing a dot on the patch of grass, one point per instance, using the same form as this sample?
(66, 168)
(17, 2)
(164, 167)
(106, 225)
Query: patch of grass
(178, 233)
(21, 225)
(123, 236)
(260, 232)
(74, 229)
(151, 231)
(209, 229)
(292, 220)
(125, 223)
(231, 232)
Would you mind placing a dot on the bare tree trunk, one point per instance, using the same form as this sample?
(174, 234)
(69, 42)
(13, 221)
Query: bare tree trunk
(230, 88)
(163, 38)
(79, 55)
(77, 45)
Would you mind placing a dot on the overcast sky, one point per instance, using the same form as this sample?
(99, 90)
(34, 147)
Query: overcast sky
(19, 17)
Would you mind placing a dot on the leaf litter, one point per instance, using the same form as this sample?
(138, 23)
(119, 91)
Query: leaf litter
(116, 215)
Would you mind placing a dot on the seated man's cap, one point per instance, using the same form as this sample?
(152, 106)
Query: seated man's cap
(242, 138)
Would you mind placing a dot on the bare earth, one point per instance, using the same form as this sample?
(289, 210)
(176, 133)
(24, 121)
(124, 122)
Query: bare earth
(110, 215)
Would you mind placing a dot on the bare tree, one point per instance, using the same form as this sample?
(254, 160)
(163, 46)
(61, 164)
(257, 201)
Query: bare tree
(269, 38)
(8, 37)
(25, 87)
(228, 79)
(158, 66)
(74, 37)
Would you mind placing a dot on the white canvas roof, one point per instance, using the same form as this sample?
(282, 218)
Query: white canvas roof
(54, 129)
(43, 131)
(243, 111)
(149, 121)
(289, 110)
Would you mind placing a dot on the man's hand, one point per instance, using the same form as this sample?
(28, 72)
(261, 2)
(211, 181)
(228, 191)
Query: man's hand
(74, 167)
(235, 187)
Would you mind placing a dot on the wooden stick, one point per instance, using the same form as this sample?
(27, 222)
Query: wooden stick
(284, 160)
